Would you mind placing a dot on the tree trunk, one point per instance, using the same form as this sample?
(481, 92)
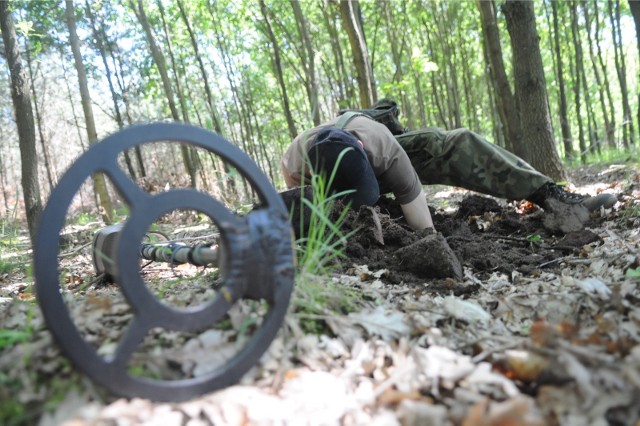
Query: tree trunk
(51, 180)
(567, 139)
(98, 178)
(308, 62)
(628, 137)
(577, 81)
(125, 99)
(173, 66)
(24, 121)
(159, 61)
(634, 5)
(344, 87)
(611, 131)
(277, 65)
(531, 91)
(350, 11)
(505, 100)
(98, 37)
(596, 74)
(449, 71)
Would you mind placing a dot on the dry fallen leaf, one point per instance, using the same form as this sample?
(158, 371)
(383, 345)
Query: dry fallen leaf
(380, 323)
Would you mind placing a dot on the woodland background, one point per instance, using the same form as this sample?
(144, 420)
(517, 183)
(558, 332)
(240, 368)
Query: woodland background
(544, 328)
(260, 72)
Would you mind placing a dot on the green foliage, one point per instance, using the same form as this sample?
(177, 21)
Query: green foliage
(7, 266)
(86, 218)
(324, 242)
(316, 298)
(321, 249)
(608, 155)
(11, 337)
(429, 56)
(633, 273)
(12, 411)
(534, 239)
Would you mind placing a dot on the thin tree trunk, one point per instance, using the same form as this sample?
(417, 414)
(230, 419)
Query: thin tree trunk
(3, 182)
(98, 37)
(92, 135)
(611, 131)
(634, 5)
(437, 93)
(24, 121)
(531, 91)
(174, 68)
(277, 65)
(505, 100)
(496, 121)
(596, 73)
(308, 62)
(577, 80)
(450, 71)
(350, 11)
(43, 144)
(567, 139)
(159, 61)
(125, 100)
(628, 137)
(345, 88)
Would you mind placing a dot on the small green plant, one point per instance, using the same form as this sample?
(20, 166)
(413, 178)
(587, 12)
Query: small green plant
(534, 239)
(10, 337)
(6, 267)
(631, 210)
(12, 411)
(319, 250)
(86, 218)
(633, 272)
(324, 241)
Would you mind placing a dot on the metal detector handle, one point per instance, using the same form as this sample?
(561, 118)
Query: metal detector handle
(179, 253)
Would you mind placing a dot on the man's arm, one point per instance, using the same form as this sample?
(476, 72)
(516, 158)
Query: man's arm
(417, 213)
(289, 179)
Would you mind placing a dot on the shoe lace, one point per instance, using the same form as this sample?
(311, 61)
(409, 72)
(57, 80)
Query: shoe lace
(558, 192)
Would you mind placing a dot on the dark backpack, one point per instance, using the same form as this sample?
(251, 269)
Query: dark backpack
(384, 111)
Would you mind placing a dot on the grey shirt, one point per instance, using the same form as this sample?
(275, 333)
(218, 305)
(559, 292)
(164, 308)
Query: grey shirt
(390, 162)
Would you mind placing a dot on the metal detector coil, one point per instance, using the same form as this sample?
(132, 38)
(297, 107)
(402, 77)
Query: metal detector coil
(259, 263)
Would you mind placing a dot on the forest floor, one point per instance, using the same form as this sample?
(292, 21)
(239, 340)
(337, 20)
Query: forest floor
(499, 318)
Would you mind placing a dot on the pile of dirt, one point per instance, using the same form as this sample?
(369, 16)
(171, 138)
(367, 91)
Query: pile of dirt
(480, 234)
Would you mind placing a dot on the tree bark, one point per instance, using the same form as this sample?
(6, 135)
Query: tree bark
(308, 62)
(531, 91)
(577, 81)
(161, 64)
(505, 100)
(277, 64)
(350, 11)
(51, 180)
(596, 74)
(567, 139)
(344, 87)
(449, 71)
(634, 5)
(98, 178)
(605, 75)
(98, 37)
(628, 137)
(24, 121)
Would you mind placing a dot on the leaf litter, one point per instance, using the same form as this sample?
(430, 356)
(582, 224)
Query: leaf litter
(536, 327)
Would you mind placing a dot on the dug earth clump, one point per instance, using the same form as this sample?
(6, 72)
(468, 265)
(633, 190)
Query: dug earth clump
(430, 257)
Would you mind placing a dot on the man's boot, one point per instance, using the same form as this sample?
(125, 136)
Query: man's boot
(557, 193)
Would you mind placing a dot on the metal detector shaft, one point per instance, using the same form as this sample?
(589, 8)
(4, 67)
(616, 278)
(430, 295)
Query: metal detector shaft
(178, 253)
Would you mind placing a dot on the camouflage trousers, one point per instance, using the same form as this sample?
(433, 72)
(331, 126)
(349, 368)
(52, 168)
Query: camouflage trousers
(465, 159)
